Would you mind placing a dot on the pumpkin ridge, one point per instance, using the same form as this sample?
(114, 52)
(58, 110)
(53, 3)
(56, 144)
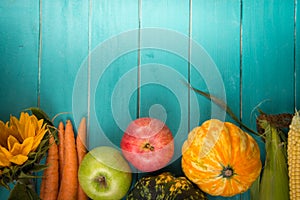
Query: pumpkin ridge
(221, 158)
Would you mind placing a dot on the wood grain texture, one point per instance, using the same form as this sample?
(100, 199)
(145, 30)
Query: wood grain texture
(113, 75)
(19, 32)
(82, 57)
(113, 70)
(164, 66)
(64, 43)
(268, 60)
(297, 55)
(216, 28)
(268, 57)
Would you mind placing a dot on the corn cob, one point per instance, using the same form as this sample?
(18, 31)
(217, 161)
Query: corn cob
(293, 149)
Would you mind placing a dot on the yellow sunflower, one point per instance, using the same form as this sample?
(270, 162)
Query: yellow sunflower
(20, 137)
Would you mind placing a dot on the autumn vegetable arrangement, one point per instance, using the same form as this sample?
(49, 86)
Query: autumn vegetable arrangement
(218, 159)
(26, 141)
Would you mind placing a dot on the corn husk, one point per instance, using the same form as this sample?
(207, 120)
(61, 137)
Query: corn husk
(254, 189)
(274, 183)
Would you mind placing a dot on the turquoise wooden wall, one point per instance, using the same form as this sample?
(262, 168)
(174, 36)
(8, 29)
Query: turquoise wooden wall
(114, 60)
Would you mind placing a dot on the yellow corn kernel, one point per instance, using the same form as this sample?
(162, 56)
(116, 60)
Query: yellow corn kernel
(293, 152)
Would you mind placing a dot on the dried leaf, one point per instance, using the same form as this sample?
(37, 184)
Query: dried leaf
(225, 107)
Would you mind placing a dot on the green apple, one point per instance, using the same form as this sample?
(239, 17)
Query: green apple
(104, 174)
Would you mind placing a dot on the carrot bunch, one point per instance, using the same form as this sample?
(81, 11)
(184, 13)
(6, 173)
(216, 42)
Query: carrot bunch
(60, 179)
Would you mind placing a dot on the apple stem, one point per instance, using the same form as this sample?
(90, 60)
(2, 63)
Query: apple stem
(148, 146)
(102, 181)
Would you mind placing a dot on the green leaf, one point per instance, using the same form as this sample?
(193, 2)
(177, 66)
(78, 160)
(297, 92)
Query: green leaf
(4, 184)
(24, 192)
(26, 176)
(40, 114)
(5, 170)
(39, 167)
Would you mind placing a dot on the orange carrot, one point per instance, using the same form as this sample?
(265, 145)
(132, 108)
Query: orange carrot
(42, 189)
(61, 133)
(69, 181)
(81, 152)
(50, 180)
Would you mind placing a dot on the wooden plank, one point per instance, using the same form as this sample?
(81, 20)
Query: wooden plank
(216, 27)
(268, 58)
(164, 66)
(215, 55)
(19, 33)
(297, 56)
(113, 68)
(19, 25)
(64, 47)
(267, 62)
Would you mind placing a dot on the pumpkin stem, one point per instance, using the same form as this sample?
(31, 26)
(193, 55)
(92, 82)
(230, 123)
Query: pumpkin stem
(227, 172)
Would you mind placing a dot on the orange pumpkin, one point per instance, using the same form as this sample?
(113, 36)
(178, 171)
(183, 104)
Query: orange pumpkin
(220, 158)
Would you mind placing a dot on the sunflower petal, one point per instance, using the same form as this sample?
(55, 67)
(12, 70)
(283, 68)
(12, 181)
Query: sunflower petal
(38, 138)
(27, 145)
(4, 133)
(40, 123)
(4, 157)
(11, 140)
(23, 117)
(19, 159)
(29, 130)
(23, 148)
(19, 137)
(16, 128)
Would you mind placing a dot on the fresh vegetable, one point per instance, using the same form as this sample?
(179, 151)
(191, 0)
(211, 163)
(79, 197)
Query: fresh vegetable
(81, 152)
(61, 134)
(220, 158)
(293, 152)
(81, 143)
(69, 182)
(274, 181)
(165, 186)
(50, 180)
